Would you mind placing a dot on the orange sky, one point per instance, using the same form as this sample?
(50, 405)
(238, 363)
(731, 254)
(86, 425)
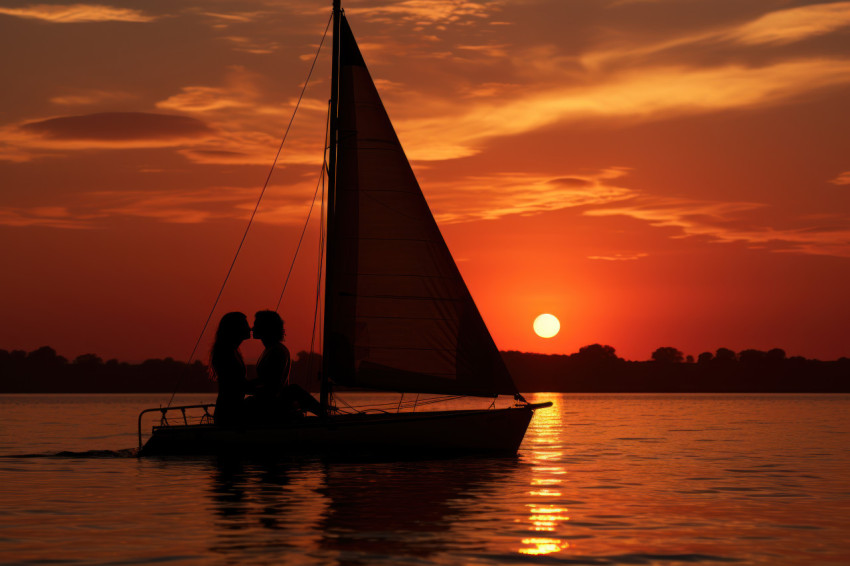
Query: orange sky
(653, 172)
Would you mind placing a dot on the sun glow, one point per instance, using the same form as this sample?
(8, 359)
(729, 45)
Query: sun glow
(546, 325)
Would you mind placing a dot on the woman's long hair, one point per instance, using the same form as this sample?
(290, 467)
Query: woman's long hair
(228, 333)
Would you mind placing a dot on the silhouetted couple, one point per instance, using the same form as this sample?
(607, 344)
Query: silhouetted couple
(272, 399)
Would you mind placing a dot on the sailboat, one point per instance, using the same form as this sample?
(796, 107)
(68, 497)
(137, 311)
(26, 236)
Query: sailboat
(398, 316)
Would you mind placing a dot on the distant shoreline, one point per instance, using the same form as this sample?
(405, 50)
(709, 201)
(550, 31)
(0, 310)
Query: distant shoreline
(594, 369)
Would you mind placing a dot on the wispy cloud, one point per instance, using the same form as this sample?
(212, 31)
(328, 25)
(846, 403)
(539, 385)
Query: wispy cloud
(179, 207)
(256, 149)
(495, 51)
(730, 222)
(248, 127)
(281, 205)
(691, 216)
(494, 196)
(234, 17)
(77, 13)
(429, 12)
(794, 24)
(203, 99)
(633, 95)
(619, 257)
(11, 148)
(230, 124)
(605, 193)
(47, 217)
(780, 27)
(252, 45)
(842, 179)
(89, 97)
(469, 199)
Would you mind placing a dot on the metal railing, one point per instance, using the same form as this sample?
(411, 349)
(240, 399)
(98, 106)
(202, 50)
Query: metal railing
(206, 418)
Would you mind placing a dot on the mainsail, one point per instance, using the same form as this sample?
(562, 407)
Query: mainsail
(398, 316)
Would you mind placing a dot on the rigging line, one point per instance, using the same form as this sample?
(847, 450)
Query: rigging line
(342, 406)
(319, 274)
(257, 206)
(301, 238)
(320, 182)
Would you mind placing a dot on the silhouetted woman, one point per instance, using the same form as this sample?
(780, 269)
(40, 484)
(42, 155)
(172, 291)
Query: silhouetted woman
(272, 395)
(229, 368)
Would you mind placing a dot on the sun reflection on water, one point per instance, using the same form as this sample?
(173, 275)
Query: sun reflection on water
(545, 481)
(539, 546)
(545, 493)
(545, 515)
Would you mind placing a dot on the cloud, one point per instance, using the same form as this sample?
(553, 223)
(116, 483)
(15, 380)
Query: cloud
(495, 51)
(108, 130)
(244, 147)
(44, 216)
(644, 94)
(177, 207)
(14, 153)
(842, 179)
(486, 90)
(619, 257)
(235, 17)
(77, 13)
(463, 200)
(248, 127)
(794, 24)
(281, 205)
(252, 45)
(572, 182)
(781, 27)
(202, 99)
(88, 97)
(118, 127)
(691, 216)
(730, 222)
(429, 12)
(494, 196)
(230, 124)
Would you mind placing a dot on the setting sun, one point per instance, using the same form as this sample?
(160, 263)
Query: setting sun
(546, 325)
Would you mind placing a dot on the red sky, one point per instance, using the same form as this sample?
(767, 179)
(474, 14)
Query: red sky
(653, 172)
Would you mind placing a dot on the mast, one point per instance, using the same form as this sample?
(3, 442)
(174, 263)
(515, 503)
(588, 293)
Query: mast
(332, 170)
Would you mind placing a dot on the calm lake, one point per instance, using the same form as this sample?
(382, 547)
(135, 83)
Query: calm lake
(600, 479)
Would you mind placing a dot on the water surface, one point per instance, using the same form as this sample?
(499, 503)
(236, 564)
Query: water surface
(600, 479)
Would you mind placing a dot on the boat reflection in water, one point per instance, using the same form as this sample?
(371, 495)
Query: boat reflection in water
(413, 509)
(365, 511)
(262, 509)
(362, 511)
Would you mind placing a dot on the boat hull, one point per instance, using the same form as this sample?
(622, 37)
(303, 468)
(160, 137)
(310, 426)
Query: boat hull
(426, 434)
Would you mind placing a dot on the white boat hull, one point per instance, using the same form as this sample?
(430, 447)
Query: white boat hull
(443, 433)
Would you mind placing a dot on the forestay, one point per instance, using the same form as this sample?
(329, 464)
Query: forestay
(398, 315)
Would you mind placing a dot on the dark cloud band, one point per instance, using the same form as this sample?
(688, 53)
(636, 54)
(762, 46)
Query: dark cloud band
(119, 126)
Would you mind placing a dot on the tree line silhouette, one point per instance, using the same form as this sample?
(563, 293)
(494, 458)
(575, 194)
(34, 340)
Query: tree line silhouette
(593, 369)
(598, 369)
(44, 371)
